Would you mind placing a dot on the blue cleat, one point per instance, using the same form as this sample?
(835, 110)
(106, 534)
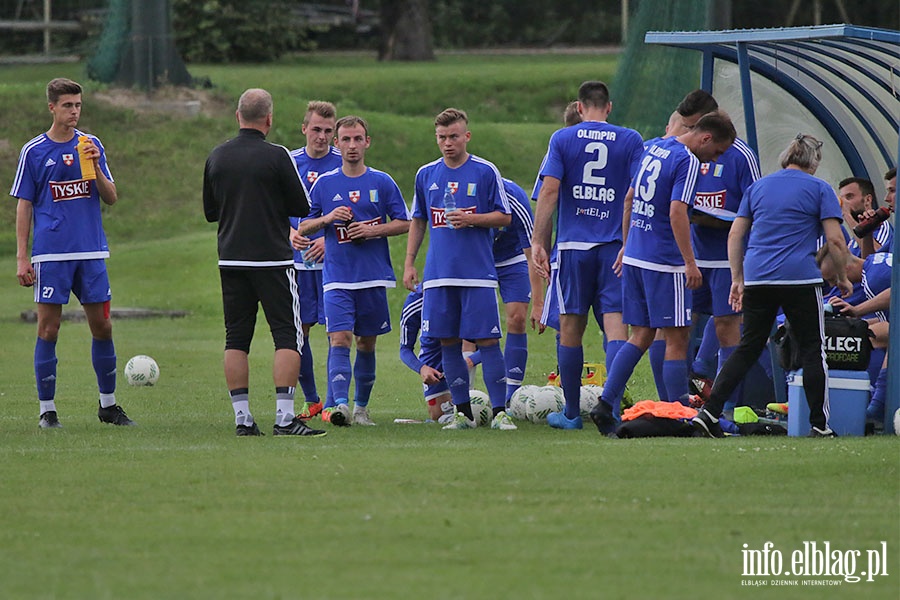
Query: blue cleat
(558, 420)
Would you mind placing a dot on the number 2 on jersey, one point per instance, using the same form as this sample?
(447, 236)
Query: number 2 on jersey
(597, 164)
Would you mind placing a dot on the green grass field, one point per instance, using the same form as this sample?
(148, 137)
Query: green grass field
(180, 508)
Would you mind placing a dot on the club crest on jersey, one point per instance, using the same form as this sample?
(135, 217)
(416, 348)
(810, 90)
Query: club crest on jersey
(354, 196)
(373, 196)
(68, 159)
(312, 176)
(717, 172)
(470, 189)
(704, 168)
(453, 185)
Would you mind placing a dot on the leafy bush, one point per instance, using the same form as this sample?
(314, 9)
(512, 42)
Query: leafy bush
(224, 31)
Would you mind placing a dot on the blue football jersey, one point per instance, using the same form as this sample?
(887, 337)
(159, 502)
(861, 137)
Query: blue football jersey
(720, 189)
(511, 240)
(539, 180)
(374, 198)
(310, 169)
(594, 162)
(668, 173)
(884, 235)
(459, 257)
(876, 277)
(786, 209)
(67, 224)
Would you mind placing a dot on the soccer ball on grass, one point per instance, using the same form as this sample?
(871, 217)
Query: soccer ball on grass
(548, 399)
(141, 370)
(481, 407)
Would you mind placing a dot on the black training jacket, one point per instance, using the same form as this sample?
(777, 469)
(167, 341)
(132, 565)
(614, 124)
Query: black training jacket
(251, 187)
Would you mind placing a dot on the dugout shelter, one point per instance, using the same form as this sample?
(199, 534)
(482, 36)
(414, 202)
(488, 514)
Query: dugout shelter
(840, 83)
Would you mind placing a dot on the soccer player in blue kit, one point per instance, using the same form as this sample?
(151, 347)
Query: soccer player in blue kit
(359, 207)
(314, 159)
(659, 269)
(62, 208)
(460, 280)
(518, 282)
(588, 169)
(720, 187)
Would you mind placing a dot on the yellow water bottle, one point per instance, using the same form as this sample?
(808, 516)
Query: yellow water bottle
(87, 165)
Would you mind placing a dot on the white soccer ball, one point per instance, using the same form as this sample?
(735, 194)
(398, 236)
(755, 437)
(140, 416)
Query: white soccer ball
(548, 399)
(481, 407)
(897, 422)
(590, 396)
(519, 400)
(141, 370)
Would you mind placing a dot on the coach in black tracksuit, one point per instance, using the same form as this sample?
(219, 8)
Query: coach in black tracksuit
(251, 187)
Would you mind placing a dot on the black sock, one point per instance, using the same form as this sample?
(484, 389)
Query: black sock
(466, 409)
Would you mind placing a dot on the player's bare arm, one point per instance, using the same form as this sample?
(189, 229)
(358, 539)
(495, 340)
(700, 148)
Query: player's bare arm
(543, 225)
(681, 230)
(341, 213)
(363, 231)
(494, 219)
(24, 269)
(413, 243)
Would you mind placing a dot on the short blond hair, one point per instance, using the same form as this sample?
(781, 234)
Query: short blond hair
(449, 116)
(326, 110)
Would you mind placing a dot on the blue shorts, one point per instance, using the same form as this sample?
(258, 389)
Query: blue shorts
(364, 312)
(470, 313)
(655, 299)
(550, 315)
(312, 298)
(87, 279)
(711, 298)
(587, 280)
(514, 283)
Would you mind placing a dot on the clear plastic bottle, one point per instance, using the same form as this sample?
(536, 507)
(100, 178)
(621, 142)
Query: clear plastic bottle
(449, 204)
(307, 262)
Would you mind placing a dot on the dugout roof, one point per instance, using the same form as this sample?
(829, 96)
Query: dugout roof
(847, 78)
(840, 83)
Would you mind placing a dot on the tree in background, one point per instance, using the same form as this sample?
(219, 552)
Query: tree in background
(235, 30)
(405, 30)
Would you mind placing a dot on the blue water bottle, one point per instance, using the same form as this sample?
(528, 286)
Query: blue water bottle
(449, 204)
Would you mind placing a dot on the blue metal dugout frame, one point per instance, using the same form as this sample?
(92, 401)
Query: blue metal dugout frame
(838, 59)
